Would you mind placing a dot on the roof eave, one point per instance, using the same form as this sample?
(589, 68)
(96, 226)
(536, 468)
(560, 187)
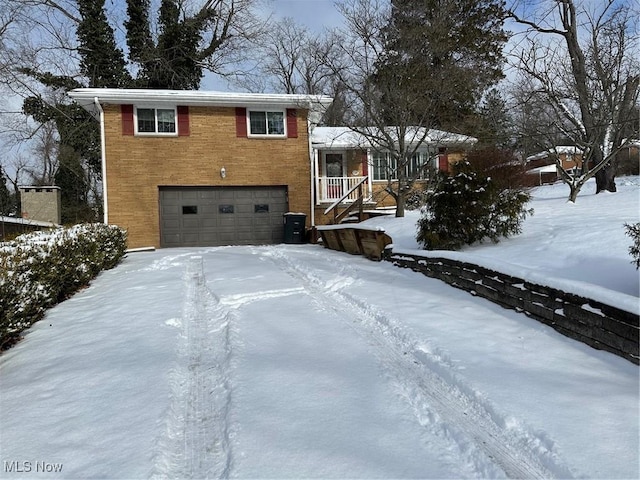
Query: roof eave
(86, 98)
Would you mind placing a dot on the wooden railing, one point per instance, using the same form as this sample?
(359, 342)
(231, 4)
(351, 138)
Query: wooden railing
(331, 189)
(357, 192)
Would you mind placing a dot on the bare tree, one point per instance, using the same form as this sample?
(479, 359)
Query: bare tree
(44, 151)
(381, 111)
(578, 59)
(288, 58)
(8, 15)
(402, 77)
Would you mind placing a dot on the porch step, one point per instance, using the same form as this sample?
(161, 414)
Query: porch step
(367, 214)
(355, 240)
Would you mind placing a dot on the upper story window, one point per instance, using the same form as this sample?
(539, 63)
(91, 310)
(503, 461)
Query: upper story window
(156, 121)
(266, 123)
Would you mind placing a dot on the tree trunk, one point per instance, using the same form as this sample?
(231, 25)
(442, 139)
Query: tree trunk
(400, 201)
(573, 193)
(605, 179)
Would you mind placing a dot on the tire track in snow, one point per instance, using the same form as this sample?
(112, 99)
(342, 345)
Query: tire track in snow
(196, 441)
(436, 401)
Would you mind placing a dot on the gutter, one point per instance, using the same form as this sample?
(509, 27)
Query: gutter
(86, 96)
(103, 155)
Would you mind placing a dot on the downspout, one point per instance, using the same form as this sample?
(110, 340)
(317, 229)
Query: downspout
(369, 173)
(312, 173)
(103, 154)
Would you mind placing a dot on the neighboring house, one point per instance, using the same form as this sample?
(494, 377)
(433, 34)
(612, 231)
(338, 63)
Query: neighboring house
(343, 158)
(542, 167)
(11, 227)
(41, 210)
(194, 168)
(629, 159)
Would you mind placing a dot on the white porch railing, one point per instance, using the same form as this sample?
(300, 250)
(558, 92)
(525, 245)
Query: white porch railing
(333, 188)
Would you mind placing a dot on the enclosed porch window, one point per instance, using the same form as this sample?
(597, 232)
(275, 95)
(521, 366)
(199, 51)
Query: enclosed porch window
(385, 166)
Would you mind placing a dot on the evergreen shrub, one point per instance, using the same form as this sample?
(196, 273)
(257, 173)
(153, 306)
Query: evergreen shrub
(466, 207)
(40, 269)
(633, 230)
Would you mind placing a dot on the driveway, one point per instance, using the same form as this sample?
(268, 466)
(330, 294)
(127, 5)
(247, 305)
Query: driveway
(294, 361)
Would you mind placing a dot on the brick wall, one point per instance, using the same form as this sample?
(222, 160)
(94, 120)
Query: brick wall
(137, 165)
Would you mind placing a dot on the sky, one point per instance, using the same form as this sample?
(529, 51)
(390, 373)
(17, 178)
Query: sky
(294, 361)
(316, 15)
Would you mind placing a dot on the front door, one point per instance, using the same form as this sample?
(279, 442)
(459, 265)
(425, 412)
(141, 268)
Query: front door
(334, 171)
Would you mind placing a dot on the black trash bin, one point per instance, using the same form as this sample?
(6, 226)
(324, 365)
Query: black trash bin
(294, 227)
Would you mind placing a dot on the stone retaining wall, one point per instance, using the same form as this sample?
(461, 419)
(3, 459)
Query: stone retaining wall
(594, 323)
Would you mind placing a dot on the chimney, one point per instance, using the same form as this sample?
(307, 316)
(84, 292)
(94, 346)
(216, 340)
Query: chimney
(41, 203)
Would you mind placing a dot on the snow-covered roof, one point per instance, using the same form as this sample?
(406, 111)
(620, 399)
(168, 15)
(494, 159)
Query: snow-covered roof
(26, 221)
(336, 137)
(345, 137)
(544, 169)
(559, 150)
(573, 150)
(86, 98)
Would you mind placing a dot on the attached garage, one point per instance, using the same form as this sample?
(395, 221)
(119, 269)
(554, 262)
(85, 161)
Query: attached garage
(214, 216)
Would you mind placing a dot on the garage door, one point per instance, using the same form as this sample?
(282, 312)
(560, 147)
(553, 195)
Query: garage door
(211, 216)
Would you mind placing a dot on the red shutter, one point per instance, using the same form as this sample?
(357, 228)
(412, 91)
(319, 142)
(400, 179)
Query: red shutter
(365, 164)
(241, 122)
(183, 121)
(292, 123)
(443, 159)
(127, 119)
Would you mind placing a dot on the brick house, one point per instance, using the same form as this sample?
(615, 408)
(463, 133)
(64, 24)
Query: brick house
(192, 168)
(342, 158)
(195, 168)
(542, 168)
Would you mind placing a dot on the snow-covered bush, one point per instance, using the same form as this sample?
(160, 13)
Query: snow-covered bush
(466, 207)
(633, 230)
(40, 269)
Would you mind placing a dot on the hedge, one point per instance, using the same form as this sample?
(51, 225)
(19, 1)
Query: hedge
(40, 269)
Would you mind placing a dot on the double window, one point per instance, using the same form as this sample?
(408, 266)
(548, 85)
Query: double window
(156, 121)
(270, 123)
(385, 166)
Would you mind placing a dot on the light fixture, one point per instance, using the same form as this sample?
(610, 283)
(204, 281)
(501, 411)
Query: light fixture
(223, 172)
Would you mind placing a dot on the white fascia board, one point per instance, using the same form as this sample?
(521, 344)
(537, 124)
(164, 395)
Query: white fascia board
(85, 97)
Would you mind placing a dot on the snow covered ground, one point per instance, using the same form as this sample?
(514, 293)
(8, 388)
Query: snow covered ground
(293, 361)
(583, 242)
